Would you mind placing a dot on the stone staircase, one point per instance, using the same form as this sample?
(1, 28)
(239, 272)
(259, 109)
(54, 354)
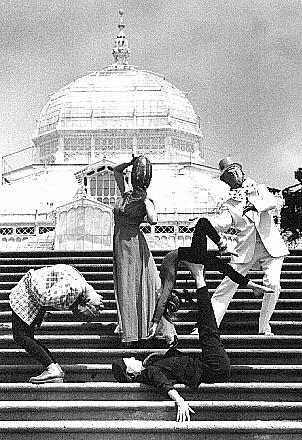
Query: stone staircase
(263, 400)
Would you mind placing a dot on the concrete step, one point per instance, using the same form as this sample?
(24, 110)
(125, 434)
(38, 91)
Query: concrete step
(80, 257)
(72, 327)
(109, 304)
(5, 256)
(14, 273)
(107, 391)
(255, 304)
(103, 265)
(63, 316)
(241, 294)
(53, 410)
(265, 380)
(235, 327)
(243, 315)
(103, 269)
(182, 316)
(77, 372)
(235, 304)
(99, 355)
(86, 372)
(108, 294)
(105, 284)
(104, 281)
(150, 430)
(183, 328)
(110, 340)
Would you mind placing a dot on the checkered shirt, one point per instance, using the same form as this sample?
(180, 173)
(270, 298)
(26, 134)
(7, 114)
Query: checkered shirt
(55, 286)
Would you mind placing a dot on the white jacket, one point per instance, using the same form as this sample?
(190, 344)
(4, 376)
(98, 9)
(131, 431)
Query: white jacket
(248, 225)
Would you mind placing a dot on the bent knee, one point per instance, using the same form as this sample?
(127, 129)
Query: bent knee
(203, 221)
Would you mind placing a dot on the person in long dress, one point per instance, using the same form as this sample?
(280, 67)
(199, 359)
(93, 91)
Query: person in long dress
(135, 275)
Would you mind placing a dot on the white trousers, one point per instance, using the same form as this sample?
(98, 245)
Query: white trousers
(272, 272)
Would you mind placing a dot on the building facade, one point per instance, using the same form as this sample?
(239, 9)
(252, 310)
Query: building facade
(96, 121)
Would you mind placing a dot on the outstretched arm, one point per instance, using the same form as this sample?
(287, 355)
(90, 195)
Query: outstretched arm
(156, 377)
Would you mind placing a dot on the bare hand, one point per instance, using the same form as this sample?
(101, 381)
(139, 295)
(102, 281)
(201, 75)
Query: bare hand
(152, 330)
(146, 360)
(183, 411)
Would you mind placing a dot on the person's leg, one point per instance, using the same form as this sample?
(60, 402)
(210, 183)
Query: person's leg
(272, 272)
(214, 356)
(197, 252)
(203, 229)
(217, 263)
(168, 271)
(214, 359)
(23, 335)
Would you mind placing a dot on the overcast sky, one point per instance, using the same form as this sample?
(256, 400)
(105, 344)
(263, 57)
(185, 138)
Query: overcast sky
(240, 61)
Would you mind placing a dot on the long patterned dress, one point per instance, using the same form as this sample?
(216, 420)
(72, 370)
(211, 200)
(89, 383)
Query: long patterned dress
(136, 279)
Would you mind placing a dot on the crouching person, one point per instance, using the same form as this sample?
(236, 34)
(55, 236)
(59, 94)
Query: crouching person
(61, 287)
(210, 365)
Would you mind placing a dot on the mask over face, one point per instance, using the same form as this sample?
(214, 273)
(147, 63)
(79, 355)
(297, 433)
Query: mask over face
(134, 366)
(141, 173)
(233, 176)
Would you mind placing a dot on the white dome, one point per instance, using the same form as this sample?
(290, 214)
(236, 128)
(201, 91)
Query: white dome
(113, 98)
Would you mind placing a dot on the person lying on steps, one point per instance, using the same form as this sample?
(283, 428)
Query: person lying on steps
(60, 286)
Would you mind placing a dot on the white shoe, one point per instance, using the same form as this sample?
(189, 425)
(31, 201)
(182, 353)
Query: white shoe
(52, 374)
(267, 333)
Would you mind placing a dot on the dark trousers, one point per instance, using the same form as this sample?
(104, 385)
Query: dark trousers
(23, 335)
(198, 252)
(214, 363)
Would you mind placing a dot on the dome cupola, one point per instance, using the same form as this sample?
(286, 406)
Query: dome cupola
(118, 110)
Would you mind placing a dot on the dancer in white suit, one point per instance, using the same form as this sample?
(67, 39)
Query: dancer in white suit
(260, 245)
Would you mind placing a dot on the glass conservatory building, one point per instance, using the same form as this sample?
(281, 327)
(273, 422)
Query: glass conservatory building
(101, 119)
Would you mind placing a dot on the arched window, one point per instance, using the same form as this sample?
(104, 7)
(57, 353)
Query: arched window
(100, 185)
